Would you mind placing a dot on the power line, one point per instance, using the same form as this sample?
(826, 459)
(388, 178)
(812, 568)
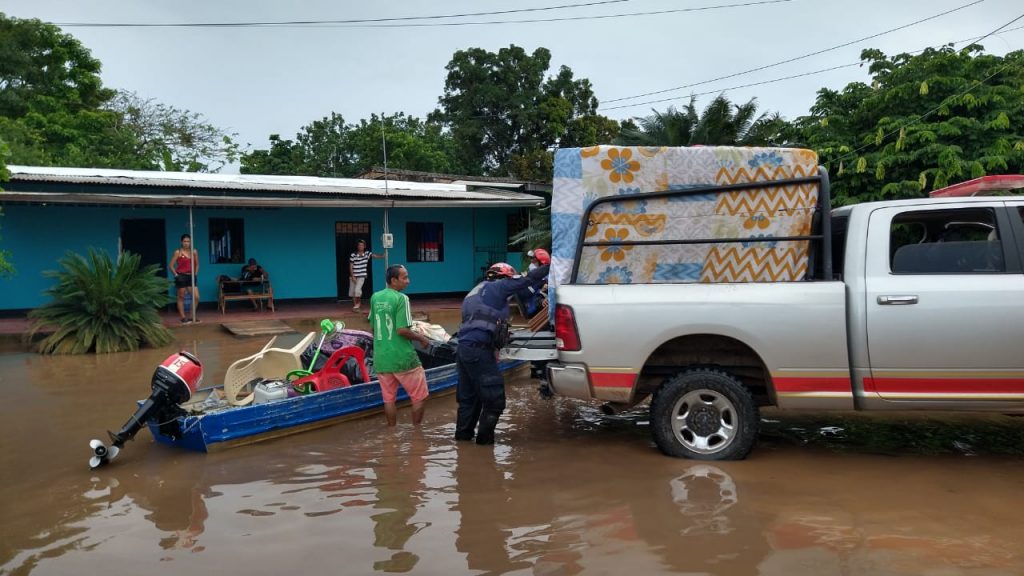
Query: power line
(313, 22)
(763, 82)
(853, 153)
(973, 39)
(363, 24)
(577, 18)
(808, 55)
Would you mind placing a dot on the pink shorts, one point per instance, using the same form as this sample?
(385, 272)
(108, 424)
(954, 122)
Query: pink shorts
(414, 381)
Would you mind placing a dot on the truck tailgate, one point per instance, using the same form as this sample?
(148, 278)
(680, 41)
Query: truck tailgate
(531, 346)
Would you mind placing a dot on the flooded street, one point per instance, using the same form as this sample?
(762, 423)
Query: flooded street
(565, 490)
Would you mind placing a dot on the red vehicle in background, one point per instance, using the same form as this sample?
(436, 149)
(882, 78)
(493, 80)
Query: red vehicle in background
(984, 186)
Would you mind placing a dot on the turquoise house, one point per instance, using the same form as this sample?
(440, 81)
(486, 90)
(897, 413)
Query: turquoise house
(300, 229)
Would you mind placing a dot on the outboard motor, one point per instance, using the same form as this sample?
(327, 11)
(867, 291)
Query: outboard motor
(173, 383)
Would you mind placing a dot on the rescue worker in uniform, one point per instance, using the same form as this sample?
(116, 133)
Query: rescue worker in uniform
(485, 312)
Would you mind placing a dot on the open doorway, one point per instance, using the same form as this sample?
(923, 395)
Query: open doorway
(346, 235)
(147, 238)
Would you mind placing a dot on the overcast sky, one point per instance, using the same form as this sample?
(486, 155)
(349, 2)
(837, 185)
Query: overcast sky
(258, 81)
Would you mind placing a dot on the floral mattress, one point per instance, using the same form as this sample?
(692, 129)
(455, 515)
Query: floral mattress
(583, 175)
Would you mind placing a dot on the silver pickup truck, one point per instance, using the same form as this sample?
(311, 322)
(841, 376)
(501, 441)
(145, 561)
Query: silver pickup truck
(911, 304)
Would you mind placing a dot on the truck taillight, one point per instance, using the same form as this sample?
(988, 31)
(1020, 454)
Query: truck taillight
(566, 336)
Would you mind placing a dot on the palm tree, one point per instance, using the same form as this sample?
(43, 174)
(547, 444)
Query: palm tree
(537, 234)
(722, 123)
(101, 305)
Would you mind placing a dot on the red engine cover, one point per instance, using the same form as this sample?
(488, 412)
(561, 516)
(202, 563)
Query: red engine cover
(185, 368)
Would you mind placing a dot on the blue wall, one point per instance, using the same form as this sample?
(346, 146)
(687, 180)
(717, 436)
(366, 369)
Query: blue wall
(295, 245)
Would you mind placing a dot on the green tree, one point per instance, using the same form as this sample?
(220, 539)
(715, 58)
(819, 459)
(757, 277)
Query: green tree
(45, 70)
(50, 98)
(54, 110)
(501, 110)
(282, 158)
(324, 146)
(412, 144)
(82, 138)
(332, 147)
(925, 121)
(101, 306)
(169, 137)
(722, 123)
(537, 234)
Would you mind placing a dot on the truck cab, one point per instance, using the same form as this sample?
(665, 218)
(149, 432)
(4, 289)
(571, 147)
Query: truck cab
(936, 302)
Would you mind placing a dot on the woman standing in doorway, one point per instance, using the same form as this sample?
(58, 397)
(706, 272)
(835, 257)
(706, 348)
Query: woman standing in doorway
(185, 266)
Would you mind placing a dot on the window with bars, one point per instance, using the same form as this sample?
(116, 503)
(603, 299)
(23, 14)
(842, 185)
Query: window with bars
(424, 242)
(227, 240)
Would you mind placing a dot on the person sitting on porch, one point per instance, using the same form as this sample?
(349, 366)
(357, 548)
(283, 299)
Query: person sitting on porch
(253, 275)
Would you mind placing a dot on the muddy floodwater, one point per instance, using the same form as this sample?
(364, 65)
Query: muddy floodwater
(565, 490)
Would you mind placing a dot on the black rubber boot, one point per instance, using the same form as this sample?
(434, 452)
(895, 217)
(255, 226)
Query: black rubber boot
(485, 433)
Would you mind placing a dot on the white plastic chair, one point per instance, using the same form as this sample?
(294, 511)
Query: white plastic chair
(267, 364)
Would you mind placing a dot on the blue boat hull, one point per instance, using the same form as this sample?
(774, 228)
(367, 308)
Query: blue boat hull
(253, 423)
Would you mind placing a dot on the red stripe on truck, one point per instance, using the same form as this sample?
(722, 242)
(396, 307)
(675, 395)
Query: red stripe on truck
(612, 379)
(811, 384)
(945, 385)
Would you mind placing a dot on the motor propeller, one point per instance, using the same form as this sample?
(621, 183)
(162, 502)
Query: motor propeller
(173, 383)
(101, 454)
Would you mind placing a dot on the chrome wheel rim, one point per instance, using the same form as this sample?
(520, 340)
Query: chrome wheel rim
(704, 421)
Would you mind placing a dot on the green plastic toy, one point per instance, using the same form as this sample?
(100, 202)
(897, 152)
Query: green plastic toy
(326, 326)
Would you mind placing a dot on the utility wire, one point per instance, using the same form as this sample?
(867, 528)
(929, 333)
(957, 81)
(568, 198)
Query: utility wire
(358, 24)
(853, 153)
(577, 18)
(719, 91)
(972, 40)
(808, 55)
(313, 22)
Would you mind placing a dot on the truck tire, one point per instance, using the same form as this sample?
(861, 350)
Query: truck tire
(704, 414)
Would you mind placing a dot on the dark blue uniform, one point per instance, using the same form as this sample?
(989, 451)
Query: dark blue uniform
(481, 389)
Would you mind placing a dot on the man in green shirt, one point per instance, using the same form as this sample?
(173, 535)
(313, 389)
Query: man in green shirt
(394, 358)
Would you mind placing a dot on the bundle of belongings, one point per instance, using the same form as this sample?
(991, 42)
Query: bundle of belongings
(439, 353)
(337, 340)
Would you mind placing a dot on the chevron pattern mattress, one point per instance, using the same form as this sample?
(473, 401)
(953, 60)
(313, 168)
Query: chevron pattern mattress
(583, 175)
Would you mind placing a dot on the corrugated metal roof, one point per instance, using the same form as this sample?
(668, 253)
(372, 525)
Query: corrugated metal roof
(377, 172)
(276, 190)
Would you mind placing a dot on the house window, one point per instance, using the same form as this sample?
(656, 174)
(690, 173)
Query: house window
(424, 242)
(227, 241)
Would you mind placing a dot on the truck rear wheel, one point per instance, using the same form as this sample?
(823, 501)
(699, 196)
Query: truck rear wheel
(704, 414)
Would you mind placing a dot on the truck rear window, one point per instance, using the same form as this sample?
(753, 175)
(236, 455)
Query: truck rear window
(839, 227)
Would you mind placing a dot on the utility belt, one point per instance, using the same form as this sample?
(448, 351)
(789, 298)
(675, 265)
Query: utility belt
(500, 336)
(472, 344)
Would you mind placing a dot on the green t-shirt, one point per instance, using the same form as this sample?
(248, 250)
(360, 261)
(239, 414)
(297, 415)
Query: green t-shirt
(389, 311)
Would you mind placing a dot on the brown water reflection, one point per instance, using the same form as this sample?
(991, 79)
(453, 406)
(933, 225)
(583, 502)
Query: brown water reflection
(565, 491)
